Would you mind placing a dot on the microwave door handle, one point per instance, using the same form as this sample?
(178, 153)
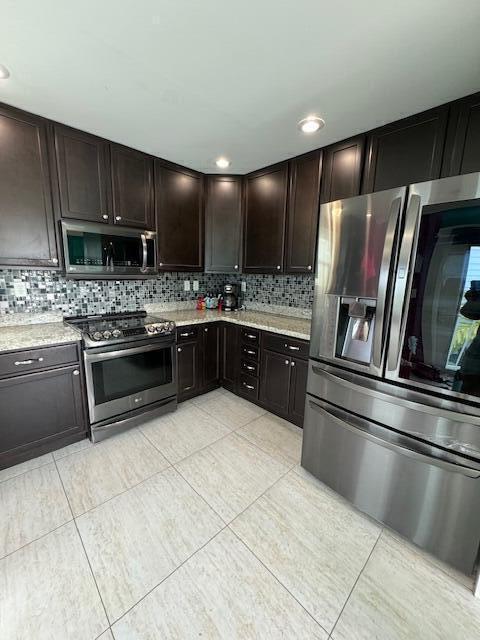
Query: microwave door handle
(388, 250)
(402, 282)
(144, 253)
(349, 422)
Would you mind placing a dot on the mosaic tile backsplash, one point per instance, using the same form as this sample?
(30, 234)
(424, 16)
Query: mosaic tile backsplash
(36, 291)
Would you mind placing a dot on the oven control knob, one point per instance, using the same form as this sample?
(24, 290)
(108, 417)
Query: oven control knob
(151, 329)
(116, 333)
(97, 335)
(107, 335)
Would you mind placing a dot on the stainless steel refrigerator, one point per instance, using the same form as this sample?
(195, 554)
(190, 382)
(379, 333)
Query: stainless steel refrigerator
(392, 417)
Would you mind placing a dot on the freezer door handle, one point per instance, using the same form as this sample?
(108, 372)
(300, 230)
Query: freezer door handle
(367, 430)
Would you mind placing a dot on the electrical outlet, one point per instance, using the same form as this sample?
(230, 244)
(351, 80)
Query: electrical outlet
(195, 285)
(186, 285)
(244, 286)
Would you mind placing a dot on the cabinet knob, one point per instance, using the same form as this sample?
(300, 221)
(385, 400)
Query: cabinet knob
(179, 349)
(309, 267)
(118, 218)
(160, 264)
(54, 260)
(76, 372)
(105, 216)
(206, 329)
(278, 267)
(287, 361)
(292, 364)
(236, 266)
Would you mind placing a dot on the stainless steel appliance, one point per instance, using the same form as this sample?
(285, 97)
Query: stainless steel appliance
(230, 297)
(130, 369)
(93, 249)
(393, 398)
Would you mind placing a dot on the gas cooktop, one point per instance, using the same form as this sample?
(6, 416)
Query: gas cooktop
(111, 328)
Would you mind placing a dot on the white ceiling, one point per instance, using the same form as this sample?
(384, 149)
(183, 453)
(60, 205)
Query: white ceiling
(190, 80)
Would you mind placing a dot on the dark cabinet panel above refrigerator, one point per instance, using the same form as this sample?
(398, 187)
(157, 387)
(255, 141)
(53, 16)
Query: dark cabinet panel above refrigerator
(462, 149)
(342, 169)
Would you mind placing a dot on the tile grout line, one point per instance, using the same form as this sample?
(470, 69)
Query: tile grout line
(44, 535)
(277, 579)
(19, 475)
(356, 581)
(84, 550)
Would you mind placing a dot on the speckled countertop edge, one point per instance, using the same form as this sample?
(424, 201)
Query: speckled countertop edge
(31, 336)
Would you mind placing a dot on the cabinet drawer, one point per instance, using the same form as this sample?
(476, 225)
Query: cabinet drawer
(250, 368)
(250, 352)
(187, 334)
(286, 345)
(248, 386)
(19, 362)
(250, 336)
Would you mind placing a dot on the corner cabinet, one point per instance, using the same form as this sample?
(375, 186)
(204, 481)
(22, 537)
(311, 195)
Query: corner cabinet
(264, 225)
(198, 359)
(302, 213)
(462, 148)
(406, 151)
(179, 217)
(132, 187)
(342, 169)
(27, 231)
(223, 223)
(81, 164)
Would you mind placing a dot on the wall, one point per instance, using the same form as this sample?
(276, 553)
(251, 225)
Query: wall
(35, 291)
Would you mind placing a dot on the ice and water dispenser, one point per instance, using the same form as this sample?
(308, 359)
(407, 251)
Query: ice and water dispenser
(355, 329)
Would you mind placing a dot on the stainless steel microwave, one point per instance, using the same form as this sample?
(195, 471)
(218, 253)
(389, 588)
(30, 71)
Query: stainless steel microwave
(93, 249)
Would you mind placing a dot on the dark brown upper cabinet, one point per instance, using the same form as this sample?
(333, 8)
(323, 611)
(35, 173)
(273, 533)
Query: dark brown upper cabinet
(342, 169)
(462, 148)
(264, 226)
(81, 165)
(223, 224)
(27, 232)
(406, 151)
(132, 182)
(179, 216)
(302, 215)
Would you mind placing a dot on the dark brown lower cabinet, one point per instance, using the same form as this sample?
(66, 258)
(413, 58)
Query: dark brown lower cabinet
(198, 359)
(188, 369)
(275, 381)
(298, 390)
(211, 356)
(229, 342)
(40, 412)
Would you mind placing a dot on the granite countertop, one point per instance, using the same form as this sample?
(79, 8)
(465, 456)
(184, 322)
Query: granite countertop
(28, 336)
(286, 325)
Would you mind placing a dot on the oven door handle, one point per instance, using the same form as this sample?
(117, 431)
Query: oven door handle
(360, 427)
(110, 355)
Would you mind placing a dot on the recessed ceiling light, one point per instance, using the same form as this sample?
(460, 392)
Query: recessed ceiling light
(4, 72)
(222, 163)
(311, 124)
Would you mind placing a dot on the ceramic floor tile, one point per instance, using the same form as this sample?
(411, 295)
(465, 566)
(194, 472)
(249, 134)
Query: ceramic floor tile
(221, 592)
(401, 596)
(31, 505)
(100, 472)
(48, 592)
(72, 448)
(18, 469)
(230, 474)
(136, 539)
(181, 433)
(232, 411)
(311, 541)
(205, 398)
(279, 438)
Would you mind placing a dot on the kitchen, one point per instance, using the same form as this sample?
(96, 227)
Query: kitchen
(299, 459)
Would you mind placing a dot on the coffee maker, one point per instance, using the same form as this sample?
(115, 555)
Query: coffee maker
(230, 297)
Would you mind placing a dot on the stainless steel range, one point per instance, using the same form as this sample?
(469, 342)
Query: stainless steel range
(130, 369)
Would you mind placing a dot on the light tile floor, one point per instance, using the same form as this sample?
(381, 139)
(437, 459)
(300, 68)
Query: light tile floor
(202, 524)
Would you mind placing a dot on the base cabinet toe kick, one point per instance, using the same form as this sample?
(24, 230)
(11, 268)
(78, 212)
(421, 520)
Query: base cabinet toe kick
(417, 480)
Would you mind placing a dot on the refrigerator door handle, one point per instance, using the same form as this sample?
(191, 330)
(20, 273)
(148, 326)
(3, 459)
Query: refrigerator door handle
(380, 333)
(402, 282)
(354, 424)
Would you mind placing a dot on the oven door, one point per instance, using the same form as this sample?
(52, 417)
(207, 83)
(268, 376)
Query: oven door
(124, 379)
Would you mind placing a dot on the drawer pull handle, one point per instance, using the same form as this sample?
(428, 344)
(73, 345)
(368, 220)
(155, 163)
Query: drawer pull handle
(250, 352)
(186, 334)
(251, 336)
(20, 362)
(291, 347)
(249, 367)
(249, 386)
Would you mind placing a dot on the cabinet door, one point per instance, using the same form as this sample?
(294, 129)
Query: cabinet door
(211, 356)
(342, 169)
(406, 151)
(298, 390)
(188, 370)
(132, 181)
(462, 148)
(223, 224)
(27, 234)
(81, 164)
(179, 215)
(264, 231)
(39, 407)
(229, 352)
(302, 216)
(275, 381)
